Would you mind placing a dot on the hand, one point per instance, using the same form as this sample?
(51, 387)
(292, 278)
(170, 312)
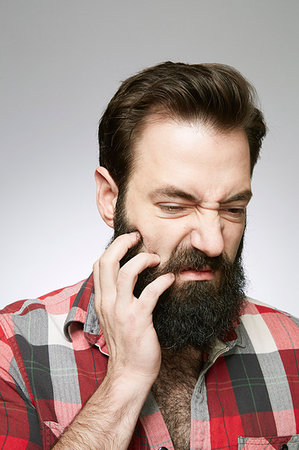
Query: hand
(126, 321)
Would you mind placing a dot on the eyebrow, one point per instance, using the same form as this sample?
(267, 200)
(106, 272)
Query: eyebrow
(241, 196)
(173, 192)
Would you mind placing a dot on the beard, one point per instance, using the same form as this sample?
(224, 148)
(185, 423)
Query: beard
(194, 313)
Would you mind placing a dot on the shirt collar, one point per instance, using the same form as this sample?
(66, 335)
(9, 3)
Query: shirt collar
(83, 311)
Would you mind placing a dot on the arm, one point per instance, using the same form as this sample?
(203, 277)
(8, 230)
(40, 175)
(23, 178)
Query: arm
(108, 419)
(19, 424)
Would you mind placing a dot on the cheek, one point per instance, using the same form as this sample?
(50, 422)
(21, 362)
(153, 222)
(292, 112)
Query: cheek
(162, 237)
(232, 236)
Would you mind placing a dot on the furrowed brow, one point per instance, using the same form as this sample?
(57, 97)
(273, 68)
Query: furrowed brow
(173, 192)
(241, 196)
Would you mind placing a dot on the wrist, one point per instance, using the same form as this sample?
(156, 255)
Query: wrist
(130, 380)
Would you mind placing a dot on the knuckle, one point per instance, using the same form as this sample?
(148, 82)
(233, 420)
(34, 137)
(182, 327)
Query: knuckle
(104, 260)
(122, 283)
(152, 290)
(125, 273)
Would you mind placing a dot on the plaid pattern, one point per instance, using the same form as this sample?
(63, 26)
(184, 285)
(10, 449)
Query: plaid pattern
(53, 357)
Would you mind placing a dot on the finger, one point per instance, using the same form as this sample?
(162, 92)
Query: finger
(152, 291)
(109, 262)
(128, 274)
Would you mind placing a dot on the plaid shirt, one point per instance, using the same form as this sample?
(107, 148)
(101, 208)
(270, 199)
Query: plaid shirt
(53, 357)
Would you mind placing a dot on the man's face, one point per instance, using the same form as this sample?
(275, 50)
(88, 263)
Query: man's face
(187, 197)
(189, 188)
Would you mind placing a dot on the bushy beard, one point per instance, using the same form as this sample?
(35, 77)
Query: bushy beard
(192, 313)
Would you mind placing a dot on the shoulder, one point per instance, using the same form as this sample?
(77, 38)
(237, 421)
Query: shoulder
(267, 328)
(23, 313)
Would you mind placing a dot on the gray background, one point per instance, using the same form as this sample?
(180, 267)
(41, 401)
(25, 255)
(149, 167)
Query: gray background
(61, 61)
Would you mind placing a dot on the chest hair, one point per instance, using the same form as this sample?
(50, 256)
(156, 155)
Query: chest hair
(173, 390)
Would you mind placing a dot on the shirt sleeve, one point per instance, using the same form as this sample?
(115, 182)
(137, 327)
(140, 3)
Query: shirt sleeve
(19, 423)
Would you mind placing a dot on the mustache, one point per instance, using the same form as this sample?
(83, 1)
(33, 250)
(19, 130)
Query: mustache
(181, 259)
(193, 259)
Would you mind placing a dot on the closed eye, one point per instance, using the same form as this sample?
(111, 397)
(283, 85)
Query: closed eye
(235, 213)
(171, 208)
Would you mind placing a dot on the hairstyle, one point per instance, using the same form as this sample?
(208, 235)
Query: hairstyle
(216, 95)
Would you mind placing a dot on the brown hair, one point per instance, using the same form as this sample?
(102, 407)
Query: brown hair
(214, 94)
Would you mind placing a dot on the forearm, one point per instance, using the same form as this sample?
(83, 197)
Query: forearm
(108, 419)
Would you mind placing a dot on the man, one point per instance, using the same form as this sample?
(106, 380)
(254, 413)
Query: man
(159, 347)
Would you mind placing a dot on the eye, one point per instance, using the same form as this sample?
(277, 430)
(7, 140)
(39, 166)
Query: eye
(171, 208)
(236, 213)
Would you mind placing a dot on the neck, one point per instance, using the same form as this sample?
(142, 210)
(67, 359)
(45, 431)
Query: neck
(187, 361)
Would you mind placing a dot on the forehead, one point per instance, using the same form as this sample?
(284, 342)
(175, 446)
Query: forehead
(191, 156)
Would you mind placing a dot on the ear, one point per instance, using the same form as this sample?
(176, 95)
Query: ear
(107, 192)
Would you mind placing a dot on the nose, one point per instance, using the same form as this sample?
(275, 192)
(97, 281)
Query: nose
(207, 234)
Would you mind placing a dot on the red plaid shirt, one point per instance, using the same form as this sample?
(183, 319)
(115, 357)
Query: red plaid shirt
(53, 357)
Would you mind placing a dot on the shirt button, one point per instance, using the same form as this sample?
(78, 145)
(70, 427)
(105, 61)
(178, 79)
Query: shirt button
(284, 447)
(163, 448)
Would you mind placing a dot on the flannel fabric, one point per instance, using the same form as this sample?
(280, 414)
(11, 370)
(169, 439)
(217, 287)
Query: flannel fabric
(53, 357)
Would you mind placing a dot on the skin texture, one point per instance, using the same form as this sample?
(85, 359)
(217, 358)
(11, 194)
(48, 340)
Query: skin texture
(180, 194)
